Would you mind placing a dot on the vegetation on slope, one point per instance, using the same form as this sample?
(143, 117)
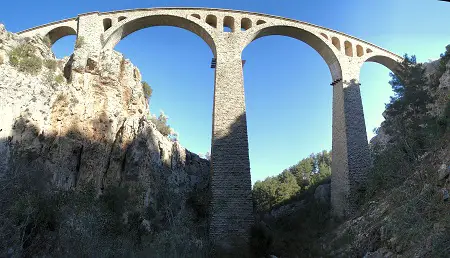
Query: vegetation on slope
(299, 217)
(297, 179)
(23, 57)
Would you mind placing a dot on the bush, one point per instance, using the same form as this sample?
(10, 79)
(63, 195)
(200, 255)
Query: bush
(162, 126)
(59, 79)
(52, 80)
(24, 59)
(50, 64)
(1, 60)
(79, 42)
(147, 90)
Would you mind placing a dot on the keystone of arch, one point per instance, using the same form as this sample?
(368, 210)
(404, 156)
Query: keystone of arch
(117, 32)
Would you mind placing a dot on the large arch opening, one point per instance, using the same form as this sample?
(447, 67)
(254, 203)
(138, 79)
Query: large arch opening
(288, 99)
(62, 41)
(176, 64)
(376, 90)
(157, 20)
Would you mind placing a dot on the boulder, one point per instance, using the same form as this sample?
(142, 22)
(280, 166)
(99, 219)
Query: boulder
(322, 193)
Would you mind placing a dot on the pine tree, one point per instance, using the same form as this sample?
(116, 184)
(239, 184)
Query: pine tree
(406, 114)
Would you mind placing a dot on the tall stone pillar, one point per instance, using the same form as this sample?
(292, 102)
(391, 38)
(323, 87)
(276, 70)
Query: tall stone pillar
(350, 151)
(89, 45)
(90, 28)
(231, 209)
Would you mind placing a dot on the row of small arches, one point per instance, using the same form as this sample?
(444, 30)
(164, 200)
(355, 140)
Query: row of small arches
(348, 47)
(107, 22)
(228, 22)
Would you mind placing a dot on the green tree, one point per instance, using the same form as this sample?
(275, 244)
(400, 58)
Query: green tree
(161, 124)
(287, 186)
(406, 113)
(303, 170)
(264, 193)
(147, 89)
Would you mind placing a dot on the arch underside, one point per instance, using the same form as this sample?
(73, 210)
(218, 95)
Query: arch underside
(388, 62)
(307, 37)
(157, 20)
(60, 32)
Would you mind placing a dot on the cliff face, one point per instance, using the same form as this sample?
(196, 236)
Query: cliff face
(83, 123)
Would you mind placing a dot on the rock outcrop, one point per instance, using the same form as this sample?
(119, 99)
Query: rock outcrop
(85, 123)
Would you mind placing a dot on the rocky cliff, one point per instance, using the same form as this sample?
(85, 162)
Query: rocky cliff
(81, 123)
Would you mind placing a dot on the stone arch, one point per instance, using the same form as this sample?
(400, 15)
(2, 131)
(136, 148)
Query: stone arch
(386, 61)
(131, 26)
(246, 24)
(324, 35)
(228, 22)
(60, 32)
(259, 22)
(309, 38)
(336, 42)
(211, 20)
(359, 50)
(107, 23)
(121, 18)
(195, 15)
(348, 48)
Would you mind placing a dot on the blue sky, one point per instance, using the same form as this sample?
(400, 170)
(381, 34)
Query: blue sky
(287, 89)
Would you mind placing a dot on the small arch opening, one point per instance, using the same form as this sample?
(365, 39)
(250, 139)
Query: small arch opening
(246, 24)
(107, 23)
(211, 20)
(359, 50)
(195, 15)
(336, 42)
(121, 18)
(369, 50)
(259, 22)
(348, 48)
(324, 35)
(228, 24)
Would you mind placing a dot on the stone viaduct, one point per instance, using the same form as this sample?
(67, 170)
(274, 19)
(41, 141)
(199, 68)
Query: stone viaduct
(228, 32)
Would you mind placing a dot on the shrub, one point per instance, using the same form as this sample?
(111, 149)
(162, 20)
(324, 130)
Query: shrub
(1, 60)
(147, 90)
(52, 80)
(59, 79)
(79, 42)
(50, 64)
(24, 59)
(161, 124)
